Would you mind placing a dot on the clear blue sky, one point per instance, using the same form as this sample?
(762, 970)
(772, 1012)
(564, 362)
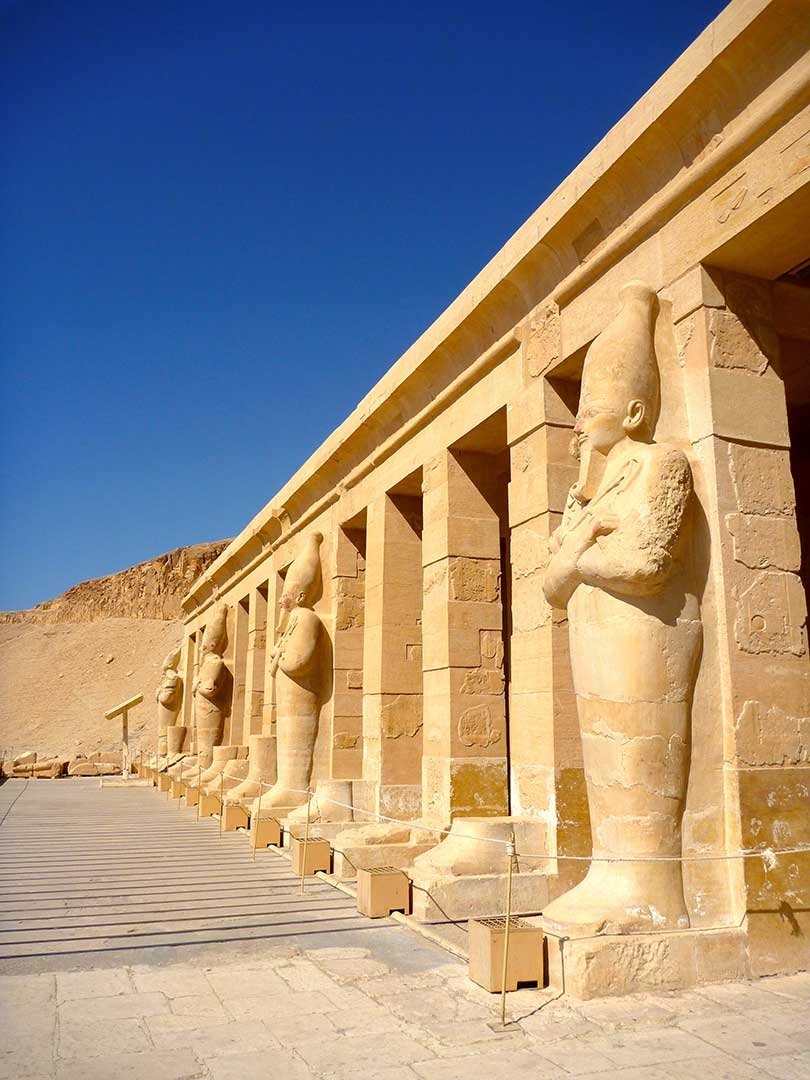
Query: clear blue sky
(222, 222)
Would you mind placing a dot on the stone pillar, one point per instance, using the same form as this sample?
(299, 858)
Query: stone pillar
(749, 774)
(188, 668)
(464, 766)
(273, 587)
(238, 649)
(546, 770)
(254, 669)
(349, 573)
(392, 656)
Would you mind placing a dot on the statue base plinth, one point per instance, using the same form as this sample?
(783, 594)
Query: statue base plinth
(475, 896)
(612, 965)
(327, 829)
(352, 858)
(465, 875)
(176, 789)
(164, 781)
(192, 795)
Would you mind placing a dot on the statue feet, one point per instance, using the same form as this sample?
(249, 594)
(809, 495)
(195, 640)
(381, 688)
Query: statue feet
(282, 796)
(244, 792)
(620, 898)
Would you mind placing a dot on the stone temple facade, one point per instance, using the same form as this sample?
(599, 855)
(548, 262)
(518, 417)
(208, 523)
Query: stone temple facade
(546, 581)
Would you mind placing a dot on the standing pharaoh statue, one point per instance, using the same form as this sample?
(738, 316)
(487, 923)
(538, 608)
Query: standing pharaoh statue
(169, 697)
(210, 687)
(295, 664)
(618, 566)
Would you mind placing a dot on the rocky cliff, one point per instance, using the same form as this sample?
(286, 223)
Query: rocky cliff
(150, 590)
(66, 661)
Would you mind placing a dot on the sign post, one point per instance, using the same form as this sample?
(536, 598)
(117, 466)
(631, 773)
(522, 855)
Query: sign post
(122, 710)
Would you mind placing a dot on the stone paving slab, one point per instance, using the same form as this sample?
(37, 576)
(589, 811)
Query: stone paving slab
(315, 1014)
(335, 1005)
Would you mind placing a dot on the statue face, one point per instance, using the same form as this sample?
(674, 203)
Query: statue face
(290, 600)
(599, 424)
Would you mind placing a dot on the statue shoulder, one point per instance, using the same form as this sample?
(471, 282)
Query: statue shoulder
(668, 489)
(308, 620)
(666, 465)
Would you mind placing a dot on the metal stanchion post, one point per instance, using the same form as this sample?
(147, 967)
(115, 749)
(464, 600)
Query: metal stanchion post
(199, 788)
(510, 851)
(306, 846)
(221, 799)
(258, 819)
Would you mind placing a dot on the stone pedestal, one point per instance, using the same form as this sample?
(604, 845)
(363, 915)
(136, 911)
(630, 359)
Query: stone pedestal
(377, 845)
(465, 876)
(612, 965)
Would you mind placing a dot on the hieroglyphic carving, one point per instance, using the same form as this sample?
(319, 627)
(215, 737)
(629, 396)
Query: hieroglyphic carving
(475, 727)
(771, 614)
(761, 479)
(402, 716)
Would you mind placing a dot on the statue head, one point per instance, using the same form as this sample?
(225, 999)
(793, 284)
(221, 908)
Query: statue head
(215, 631)
(171, 661)
(620, 382)
(304, 576)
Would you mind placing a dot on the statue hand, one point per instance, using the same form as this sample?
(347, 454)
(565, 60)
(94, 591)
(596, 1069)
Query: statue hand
(604, 525)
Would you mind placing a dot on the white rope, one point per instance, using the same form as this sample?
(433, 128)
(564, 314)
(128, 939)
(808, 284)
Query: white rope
(768, 855)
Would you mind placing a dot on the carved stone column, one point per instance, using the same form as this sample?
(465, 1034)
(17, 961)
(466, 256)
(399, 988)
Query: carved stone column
(546, 772)
(237, 661)
(749, 775)
(464, 767)
(254, 669)
(348, 579)
(392, 656)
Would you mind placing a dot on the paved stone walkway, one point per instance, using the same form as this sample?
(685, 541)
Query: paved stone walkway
(95, 872)
(333, 1002)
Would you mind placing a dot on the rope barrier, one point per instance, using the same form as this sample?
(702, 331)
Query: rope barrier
(768, 855)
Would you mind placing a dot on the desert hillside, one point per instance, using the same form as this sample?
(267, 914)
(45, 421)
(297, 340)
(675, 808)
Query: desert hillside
(66, 661)
(150, 590)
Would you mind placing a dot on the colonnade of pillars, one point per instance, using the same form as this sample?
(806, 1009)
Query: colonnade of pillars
(419, 599)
